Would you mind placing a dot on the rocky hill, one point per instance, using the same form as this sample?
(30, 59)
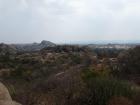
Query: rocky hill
(69, 75)
(7, 49)
(33, 46)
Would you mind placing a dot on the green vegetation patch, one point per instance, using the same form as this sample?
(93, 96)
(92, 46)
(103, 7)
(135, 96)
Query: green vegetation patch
(101, 89)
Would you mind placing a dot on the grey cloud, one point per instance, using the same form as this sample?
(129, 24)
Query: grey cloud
(69, 20)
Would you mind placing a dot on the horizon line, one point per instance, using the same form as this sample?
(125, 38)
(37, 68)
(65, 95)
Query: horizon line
(82, 42)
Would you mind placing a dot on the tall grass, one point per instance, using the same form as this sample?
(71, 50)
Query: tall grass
(101, 89)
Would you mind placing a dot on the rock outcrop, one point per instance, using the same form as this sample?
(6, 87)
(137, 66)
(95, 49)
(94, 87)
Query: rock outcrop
(5, 98)
(33, 46)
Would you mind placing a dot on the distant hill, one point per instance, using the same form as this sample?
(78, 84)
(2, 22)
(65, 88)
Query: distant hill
(33, 46)
(112, 46)
(7, 50)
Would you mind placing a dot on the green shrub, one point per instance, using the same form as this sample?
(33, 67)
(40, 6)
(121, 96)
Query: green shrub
(101, 89)
(88, 74)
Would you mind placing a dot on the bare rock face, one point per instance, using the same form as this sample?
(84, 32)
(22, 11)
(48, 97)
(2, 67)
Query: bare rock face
(5, 98)
(4, 94)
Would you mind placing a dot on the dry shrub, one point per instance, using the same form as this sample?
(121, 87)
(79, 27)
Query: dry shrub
(119, 101)
(136, 98)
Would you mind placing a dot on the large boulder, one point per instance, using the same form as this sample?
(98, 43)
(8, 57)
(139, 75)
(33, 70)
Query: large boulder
(5, 98)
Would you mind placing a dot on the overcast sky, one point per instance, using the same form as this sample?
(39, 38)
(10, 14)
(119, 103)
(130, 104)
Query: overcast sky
(65, 21)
